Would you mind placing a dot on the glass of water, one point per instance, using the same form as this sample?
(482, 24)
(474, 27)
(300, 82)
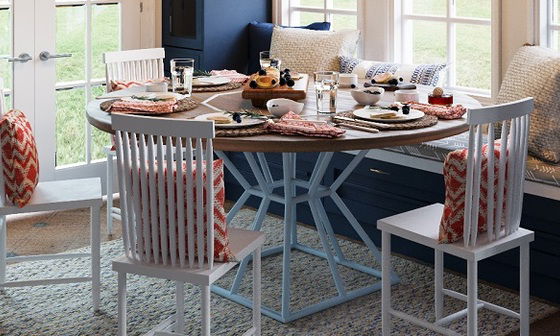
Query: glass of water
(326, 89)
(182, 75)
(268, 60)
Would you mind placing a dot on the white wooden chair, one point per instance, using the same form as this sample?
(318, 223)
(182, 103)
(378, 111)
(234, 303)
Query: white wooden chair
(55, 196)
(422, 225)
(140, 148)
(128, 65)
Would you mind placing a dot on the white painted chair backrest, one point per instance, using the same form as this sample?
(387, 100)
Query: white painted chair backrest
(134, 65)
(149, 225)
(503, 216)
(3, 198)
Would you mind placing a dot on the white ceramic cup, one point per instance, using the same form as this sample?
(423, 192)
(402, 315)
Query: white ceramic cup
(346, 80)
(403, 96)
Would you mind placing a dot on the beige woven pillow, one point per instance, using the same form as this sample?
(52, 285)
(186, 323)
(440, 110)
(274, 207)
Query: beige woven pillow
(307, 51)
(535, 72)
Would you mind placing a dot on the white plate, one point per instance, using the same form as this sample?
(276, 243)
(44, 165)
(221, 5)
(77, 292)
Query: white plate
(245, 121)
(366, 113)
(210, 81)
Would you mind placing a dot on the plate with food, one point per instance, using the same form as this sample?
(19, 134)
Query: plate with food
(232, 119)
(210, 81)
(154, 96)
(392, 114)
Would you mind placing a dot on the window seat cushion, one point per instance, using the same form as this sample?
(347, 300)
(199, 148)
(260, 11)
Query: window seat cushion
(537, 170)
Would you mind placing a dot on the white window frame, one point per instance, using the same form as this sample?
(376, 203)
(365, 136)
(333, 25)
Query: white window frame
(328, 11)
(544, 24)
(404, 36)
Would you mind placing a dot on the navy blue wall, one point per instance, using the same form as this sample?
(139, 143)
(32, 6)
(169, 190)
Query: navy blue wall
(223, 35)
(390, 189)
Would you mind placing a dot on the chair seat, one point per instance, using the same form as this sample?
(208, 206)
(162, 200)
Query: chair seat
(422, 226)
(61, 195)
(241, 242)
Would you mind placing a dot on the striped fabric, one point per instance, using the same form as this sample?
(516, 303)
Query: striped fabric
(19, 158)
(423, 74)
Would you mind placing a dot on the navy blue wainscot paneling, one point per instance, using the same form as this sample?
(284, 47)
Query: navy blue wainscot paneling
(378, 189)
(219, 33)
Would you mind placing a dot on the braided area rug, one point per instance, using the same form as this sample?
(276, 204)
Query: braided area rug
(66, 309)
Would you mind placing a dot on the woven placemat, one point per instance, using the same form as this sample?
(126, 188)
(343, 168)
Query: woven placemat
(225, 87)
(241, 132)
(183, 105)
(425, 121)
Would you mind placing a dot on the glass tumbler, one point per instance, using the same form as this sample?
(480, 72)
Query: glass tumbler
(326, 90)
(268, 60)
(182, 75)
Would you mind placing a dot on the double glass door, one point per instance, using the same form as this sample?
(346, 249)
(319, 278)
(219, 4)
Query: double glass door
(51, 61)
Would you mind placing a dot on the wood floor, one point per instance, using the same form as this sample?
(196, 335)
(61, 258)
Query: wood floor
(60, 231)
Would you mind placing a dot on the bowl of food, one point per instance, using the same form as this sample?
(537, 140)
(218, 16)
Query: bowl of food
(368, 96)
(280, 106)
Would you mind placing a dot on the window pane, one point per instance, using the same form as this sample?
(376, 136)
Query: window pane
(304, 18)
(99, 139)
(345, 4)
(70, 38)
(556, 11)
(474, 8)
(70, 127)
(429, 41)
(6, 46)
(426, 7)
(308, 3)
(473, 63)
(105, 35)
(340, 22)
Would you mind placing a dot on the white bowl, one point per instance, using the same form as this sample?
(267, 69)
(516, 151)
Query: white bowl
(404, 96)
(280, 106)
(365, 97)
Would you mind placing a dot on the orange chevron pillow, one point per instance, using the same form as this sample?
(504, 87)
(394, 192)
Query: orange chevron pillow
(222, 251)
(454, 174)
(19, 157)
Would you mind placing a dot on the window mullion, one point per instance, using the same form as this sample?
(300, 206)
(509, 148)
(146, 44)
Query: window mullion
(89, 58)
(451, 44)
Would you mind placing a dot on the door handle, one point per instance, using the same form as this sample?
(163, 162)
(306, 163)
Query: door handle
(45, 56)
(22, 58)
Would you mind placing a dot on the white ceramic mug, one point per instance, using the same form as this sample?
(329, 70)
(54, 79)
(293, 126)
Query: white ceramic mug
(347, 80)
(403, 96)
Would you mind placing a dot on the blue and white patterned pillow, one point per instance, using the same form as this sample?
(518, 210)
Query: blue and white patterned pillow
(422, 74)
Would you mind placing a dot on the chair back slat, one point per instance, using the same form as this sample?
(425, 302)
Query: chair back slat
(161, 192)
(3, 199)
(170, 216)
(490, 220)
(171, 201)
(2, 98)
(154, 210)
(134, 65)
(505, 199)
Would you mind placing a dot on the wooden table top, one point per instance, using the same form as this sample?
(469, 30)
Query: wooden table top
(352, 140)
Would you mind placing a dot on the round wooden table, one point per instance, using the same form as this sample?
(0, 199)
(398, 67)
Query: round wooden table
(288, 189)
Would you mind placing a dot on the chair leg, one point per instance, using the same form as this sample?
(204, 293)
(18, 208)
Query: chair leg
(386, 283)
(180, 307)
(3, 238)
(109, 193)
(472, 298)
(524, 310)
(257, 291)
(122, 304)
(438, 284)
(95, 257)
(205, 294)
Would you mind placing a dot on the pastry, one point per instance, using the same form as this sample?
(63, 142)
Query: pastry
(220, 119)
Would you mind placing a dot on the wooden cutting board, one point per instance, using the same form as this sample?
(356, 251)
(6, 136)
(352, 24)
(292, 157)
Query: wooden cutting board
(400, 86)
(259, 97)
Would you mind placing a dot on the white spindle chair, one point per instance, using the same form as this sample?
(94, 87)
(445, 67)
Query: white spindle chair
(150, 248)
(129, 65)
(422, 225)
(54, 196)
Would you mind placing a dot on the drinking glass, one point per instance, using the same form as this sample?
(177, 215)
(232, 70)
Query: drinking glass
(326, 90)
(182, 75)
(268, 60)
